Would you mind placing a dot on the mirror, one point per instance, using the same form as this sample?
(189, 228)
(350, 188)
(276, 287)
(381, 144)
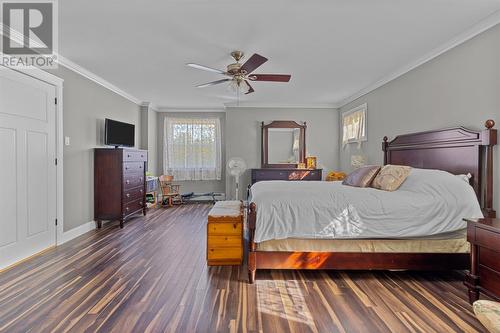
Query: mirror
(283, 144)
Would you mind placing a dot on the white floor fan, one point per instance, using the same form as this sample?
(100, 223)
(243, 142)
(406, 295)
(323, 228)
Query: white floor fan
(236, 166)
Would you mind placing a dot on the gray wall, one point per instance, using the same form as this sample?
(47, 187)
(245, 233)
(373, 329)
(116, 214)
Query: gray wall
(153, 142)
(243, 136)
(86, 104)
(199, 186)
(149, 139)
(459, 88)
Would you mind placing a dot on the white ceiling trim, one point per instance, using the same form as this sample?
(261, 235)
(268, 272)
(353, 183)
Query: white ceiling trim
(96, 78)
(279, 106)
(187, 109)
(488, 23)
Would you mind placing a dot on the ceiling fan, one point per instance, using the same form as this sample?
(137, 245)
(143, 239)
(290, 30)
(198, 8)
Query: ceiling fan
(240, 75)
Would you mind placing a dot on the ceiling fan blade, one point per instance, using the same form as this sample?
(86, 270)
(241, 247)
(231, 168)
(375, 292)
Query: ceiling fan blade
(270, 77)
(205, 68)
(213, 83)
(250, 89)
(253, 63)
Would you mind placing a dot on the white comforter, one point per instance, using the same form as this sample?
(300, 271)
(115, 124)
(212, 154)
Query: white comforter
(429, 202)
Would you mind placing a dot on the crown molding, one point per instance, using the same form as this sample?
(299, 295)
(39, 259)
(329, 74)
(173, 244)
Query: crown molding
(279, 106)
(190, 109)
(96, 78)
(485, 24)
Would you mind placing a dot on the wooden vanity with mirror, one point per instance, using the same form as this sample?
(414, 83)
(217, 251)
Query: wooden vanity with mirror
(283, 149)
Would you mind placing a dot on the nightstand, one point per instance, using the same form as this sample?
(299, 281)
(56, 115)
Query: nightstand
(484, 276)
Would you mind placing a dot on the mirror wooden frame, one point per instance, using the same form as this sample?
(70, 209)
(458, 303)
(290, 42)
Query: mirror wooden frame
(265, 143)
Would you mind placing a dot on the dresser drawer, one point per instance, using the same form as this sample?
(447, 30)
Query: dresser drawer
(224, 253)
(134, 156)
(489, 258)
(133, 194)
(133, 167)
(224, 229)
(224, 241)
(489, 280)
(271, 175)
(133, 180)
(305, 175)
(312, 175)
(133, 206)
(488, 239)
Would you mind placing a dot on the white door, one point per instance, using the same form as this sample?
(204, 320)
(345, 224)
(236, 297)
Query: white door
(27, 166)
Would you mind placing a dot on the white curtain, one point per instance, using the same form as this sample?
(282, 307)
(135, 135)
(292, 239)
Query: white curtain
(354, 125)
(192, 148)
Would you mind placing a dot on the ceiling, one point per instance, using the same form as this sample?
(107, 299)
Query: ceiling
(332, 48)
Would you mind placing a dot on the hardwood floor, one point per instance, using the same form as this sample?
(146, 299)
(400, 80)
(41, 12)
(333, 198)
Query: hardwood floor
(152, 276)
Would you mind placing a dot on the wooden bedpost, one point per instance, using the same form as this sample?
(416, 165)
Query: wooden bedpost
(489, 137)
(384, 148)
(252, 259)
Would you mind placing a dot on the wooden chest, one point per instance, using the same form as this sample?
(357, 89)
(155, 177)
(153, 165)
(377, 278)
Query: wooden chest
(484, 276)
(225, 234)
(119, 183)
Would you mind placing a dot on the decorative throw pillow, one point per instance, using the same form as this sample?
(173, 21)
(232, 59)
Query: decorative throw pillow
(362, 177)
(391, 177)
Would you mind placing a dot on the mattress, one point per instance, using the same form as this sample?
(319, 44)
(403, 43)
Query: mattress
(430, 202)
(453, 242)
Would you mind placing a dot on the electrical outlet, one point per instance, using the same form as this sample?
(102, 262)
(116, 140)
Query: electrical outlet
(66, 140)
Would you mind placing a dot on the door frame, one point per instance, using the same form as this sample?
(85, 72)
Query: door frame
(57, 82)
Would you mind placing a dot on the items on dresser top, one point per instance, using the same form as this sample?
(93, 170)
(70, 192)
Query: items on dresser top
(285, 174)
(119, 183)
(484, 276)
(225, 234)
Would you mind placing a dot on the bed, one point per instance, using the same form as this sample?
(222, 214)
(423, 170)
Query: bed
(275, 243)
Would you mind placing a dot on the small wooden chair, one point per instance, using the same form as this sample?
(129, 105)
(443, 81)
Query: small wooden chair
(169, 191)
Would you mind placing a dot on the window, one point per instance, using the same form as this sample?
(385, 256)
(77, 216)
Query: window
(192, 148)
(354, 125)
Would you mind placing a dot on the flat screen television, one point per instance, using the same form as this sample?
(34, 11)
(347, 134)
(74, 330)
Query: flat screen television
(119, 134)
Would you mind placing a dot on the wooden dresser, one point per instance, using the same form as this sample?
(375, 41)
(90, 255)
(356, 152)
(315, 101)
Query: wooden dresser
(119, 183)
(225, 234)
(484, 276)
(285, 174)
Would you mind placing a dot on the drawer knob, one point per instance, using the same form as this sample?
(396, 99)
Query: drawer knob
(127, 181)
(126, 168)
(127, 209)
(128, 155)
(128, 195)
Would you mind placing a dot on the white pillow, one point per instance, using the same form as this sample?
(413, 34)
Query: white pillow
(466, 178)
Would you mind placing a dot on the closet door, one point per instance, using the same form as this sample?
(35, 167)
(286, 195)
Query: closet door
(27, 166)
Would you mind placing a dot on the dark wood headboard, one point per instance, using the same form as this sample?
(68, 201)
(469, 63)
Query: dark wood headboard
(457, 150)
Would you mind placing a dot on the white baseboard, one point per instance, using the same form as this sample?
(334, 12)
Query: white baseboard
(75, 232)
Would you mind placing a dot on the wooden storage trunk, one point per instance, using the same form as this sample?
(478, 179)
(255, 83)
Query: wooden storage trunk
(225, 234)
